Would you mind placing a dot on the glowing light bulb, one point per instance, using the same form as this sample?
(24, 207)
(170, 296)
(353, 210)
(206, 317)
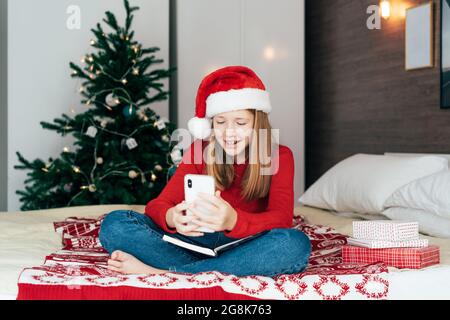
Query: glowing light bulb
(124, 81)
(66, 149)
(269, 53)
(76, 169)
(385, 9)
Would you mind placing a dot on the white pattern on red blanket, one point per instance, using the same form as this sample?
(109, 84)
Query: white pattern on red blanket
(82, 264)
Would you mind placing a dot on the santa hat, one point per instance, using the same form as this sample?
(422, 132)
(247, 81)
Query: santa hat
(228, 89)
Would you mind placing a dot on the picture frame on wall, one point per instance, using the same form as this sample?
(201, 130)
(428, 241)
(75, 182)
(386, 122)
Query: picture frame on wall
(419, 34)
(445, 54)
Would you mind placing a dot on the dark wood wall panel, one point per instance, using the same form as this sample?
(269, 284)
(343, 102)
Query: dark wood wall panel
(359, 98)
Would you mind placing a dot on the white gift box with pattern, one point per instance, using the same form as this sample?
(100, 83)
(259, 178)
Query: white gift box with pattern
(379, 244)
(387, 230)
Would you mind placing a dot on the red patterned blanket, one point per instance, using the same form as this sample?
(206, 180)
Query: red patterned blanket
(78, 271)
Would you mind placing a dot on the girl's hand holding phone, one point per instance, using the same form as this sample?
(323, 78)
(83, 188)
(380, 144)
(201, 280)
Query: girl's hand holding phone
(221, 215)
(176, 218)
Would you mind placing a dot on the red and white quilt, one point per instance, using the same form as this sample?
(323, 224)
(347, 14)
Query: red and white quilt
(78, 271)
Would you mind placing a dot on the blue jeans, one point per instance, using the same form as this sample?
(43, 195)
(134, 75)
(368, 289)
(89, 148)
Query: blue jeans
(280, 251)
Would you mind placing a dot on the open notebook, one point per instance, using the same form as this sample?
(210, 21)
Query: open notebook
(213, 252)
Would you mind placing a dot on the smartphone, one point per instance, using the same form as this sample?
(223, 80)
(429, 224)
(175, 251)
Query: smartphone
(194, 184)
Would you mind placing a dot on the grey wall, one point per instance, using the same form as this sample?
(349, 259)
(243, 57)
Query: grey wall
(265, 35)
(3, 105)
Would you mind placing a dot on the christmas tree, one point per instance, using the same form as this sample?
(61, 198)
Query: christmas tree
(123, 150)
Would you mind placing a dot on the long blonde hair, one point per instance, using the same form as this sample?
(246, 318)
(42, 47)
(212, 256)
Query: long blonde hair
(254, 184)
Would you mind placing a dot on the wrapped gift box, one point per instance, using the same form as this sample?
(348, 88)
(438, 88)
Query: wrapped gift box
(411, 258)
(378, 244)
(388, 230)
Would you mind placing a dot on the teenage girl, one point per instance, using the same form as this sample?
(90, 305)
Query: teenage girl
(233, 143)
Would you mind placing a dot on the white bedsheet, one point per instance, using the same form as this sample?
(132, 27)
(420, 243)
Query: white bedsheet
(27, 237)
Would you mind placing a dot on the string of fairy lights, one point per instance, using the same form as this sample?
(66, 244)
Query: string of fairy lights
(112, 100)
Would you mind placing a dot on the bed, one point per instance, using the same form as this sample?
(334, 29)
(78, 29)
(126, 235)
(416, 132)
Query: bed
(28, 237)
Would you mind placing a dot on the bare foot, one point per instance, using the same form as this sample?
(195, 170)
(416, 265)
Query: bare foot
(125, 263)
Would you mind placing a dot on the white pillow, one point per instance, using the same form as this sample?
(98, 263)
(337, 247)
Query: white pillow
(431, 193)
(429, 223)
(363, 182)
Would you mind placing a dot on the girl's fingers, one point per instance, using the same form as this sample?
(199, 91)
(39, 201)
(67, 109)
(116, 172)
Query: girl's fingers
(114, 263)
(204, 224)
(194, 234)
(184, 219)
(218, 202)
(188, 228)
(179, 208)
(204, 216)
(180, 218)
(205, 204)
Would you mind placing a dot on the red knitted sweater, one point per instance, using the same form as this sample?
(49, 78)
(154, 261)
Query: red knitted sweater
(273, 211)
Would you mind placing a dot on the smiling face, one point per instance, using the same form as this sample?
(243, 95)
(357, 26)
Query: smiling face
(233, 130)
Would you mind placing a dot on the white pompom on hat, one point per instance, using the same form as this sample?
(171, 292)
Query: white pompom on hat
(228, 89)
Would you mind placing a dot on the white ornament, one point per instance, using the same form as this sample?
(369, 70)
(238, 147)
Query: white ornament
(176, 155)
(160, 124)
(158, 167)
(100, 160)
(132, 174)
(92, 188)
(91, 131)
(112, 100)
(131, 143)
